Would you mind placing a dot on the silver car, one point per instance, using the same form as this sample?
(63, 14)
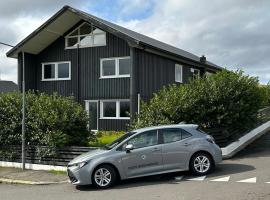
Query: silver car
(147, 151)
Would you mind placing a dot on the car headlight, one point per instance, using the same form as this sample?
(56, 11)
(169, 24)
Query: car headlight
(79, 165)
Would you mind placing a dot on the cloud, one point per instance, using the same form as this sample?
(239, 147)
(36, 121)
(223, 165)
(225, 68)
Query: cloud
(233, 34)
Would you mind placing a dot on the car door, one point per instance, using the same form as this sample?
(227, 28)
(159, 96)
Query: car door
(176, 148)
(146, 156)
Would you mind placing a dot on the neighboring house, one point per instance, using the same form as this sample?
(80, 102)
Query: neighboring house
(8, 86)
(104, 66)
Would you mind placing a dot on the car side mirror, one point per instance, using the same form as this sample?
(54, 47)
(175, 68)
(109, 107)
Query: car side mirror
(129, 147)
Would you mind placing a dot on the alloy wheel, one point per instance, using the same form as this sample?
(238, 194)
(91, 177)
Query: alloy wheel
(103, 177)
(202, 164)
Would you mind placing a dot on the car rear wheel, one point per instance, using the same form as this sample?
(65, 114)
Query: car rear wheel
(104, 176)
(201, 164)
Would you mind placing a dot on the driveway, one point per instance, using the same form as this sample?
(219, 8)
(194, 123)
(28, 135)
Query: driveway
(244, 177)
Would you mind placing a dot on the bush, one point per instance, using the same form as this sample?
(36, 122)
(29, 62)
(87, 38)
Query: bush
(227, 100)
(51, 120)
(105, 137)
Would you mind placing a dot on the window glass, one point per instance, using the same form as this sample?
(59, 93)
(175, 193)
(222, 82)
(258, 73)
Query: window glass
(63, 70)
(185, 134)
(124, 66)
(86, 40)
(85, 29)
(108, 67)
(148, 138)
(178, 73)
(109, 109)
(100, 39)
(171, 135)
(97, 30)
(72, 42)
(49, 71)
(124, 108)
(75, 33)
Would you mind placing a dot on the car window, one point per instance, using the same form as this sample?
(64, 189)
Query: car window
(174, 134)
(185, 134)
(171, 135)
(145, 139)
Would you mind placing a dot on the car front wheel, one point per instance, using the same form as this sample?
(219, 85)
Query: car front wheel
(201, 164)
(104, 176)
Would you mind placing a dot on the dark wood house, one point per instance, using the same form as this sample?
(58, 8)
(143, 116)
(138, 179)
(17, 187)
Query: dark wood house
(104, 66)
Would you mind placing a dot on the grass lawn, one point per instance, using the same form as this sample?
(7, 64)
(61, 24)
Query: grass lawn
(104, 138)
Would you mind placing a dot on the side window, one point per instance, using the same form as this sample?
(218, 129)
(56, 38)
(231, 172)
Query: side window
(185, 134)
(174, 134)
(171, 135)
(145, 139)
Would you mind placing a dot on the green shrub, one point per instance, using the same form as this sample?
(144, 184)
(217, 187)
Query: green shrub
(105, 137)
(51, 120)
(224, 100)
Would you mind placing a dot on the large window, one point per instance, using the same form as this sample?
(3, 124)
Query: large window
(178, 73)
(114, 109)
(86, 35)
(115, 67)
(56, 71)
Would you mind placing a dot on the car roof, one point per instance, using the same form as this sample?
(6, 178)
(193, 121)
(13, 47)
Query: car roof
(184, 126)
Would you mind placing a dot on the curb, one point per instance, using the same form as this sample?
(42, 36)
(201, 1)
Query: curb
(13, 181)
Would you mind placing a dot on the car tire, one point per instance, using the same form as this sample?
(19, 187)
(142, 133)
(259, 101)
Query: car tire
(104, 176)
(201, 164)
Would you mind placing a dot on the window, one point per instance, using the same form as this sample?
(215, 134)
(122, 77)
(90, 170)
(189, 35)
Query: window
(174, 134)
(114, 109)
(178, 73)
(208, 74)
(115, 67)
(56, 71)
(195, 72)
(145, 139)
(86, 35)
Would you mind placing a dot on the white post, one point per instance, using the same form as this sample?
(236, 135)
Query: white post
(139, 101)
(23, 112)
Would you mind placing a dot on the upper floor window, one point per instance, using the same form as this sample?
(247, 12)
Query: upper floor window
(56, 71)
(86, 35)
(195, 72)
(115, 67)
(178, 73)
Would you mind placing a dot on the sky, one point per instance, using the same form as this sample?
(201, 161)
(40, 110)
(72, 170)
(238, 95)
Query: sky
(232, 34)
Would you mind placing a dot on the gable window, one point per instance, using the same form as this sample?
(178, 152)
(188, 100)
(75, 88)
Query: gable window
(86, 35)
(56, 71)
(195, 72)
(115, 67)
(114, 109)
(178, 73)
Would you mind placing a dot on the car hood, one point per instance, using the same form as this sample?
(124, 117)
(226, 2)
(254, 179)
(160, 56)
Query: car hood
(87, 156)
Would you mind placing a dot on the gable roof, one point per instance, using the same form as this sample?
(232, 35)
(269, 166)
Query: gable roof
(8, 86)
(68, 17)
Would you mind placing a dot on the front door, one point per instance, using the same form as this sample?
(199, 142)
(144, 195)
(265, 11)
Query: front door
(92, 109)
(146, 157)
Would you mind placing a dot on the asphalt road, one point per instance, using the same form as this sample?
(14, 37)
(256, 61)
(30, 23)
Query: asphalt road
(252, 164)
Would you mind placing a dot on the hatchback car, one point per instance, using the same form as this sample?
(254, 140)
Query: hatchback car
(147, 151)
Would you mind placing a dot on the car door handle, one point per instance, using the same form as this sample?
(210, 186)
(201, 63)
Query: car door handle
(155, 149)
(187, 144)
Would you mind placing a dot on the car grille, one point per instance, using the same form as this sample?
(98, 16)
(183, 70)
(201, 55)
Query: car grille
(72, 178)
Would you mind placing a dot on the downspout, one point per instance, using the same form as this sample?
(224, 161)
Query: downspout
(78, 73)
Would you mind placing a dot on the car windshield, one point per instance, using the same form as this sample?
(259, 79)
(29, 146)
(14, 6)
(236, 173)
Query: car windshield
(118, 140)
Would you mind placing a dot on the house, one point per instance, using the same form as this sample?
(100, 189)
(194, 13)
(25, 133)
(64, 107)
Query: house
(104, 66)
(8, 86)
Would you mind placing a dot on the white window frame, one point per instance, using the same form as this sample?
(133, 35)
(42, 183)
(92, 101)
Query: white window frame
(117, 101)
(56, 71)
(116, 60)
(87, 110)
(193, 70)
(79, 35)
(181, 70)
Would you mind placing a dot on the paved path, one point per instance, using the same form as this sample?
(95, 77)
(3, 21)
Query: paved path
(248, 175)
